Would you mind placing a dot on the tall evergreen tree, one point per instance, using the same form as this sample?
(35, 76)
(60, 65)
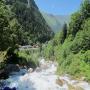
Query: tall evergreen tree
(64, 33)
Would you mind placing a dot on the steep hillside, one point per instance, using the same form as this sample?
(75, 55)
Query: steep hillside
(56, 22)
(31, 20)
(71, 47)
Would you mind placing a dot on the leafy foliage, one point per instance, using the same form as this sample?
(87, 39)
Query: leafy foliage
(73, 55)
(4, 27)
(10, 30)
(21, 25)
(29, 57)
(31, 20)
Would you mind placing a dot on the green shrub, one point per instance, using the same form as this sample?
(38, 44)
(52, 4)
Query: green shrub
(29, 58)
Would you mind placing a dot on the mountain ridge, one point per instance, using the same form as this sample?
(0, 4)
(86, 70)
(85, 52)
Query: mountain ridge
(56, 22)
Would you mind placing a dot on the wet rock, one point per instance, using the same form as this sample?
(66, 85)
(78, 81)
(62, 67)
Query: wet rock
(83, 78)
(12, 68)
(30, 70)
(78, 88)
(24, 67)
(74, 82)
(2, 84)
(38, 69)
(60, 82)
(44, 66)
(72, 87)
(7, 88)
(42, 62)
(4, 73)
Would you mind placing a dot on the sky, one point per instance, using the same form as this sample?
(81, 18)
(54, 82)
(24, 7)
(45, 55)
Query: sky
(59, 7)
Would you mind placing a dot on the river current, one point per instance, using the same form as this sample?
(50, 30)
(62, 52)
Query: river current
(43, 78)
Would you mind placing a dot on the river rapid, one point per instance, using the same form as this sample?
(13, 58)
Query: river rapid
(43, 78)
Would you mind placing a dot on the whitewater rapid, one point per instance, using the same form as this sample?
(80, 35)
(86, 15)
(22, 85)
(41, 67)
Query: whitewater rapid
(43, 78)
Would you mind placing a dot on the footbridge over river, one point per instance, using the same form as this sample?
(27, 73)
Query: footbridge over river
(29, 48)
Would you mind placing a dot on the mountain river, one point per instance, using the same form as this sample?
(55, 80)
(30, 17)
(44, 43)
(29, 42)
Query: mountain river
(43, 78)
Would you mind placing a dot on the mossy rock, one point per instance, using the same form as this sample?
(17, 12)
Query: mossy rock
(71, 87)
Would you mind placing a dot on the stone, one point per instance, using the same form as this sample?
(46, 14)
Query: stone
(30, 70)
(60, 82)
(83, 78)
(7, 88)
(78, 88)
(72, 87)
(4, 73)
(44, 66)
(12, 68)
(38, 69)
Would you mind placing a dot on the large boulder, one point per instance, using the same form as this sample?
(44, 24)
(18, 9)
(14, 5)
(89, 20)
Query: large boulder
(7, 88)
(72, 87)
(38, 69)
(4, 73)
(30, 70)
(12, 68)
(60, 82)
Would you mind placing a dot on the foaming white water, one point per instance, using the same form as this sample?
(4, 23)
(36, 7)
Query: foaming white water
(42, 79)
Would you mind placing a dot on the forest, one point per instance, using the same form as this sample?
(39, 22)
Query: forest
(71, 46)
(22, 24)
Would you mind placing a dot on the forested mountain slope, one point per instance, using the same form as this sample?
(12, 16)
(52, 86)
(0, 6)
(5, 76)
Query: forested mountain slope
(56, 22)
(22, 23)
(71, 47)
(29, 16)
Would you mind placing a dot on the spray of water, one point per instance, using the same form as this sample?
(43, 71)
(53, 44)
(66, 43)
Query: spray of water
(43, 78)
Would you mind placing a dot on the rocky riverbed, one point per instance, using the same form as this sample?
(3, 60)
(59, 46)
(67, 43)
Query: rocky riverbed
(43, 78)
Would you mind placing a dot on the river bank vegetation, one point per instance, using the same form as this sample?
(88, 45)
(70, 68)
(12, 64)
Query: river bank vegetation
(21, 25)
(71, 47)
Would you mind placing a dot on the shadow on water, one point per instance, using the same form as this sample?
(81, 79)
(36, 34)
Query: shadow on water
(16, 82)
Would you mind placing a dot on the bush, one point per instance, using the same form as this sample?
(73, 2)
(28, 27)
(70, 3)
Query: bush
(29, 58)
(12, 55)
(49, 50)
